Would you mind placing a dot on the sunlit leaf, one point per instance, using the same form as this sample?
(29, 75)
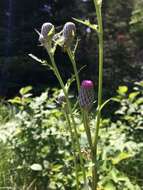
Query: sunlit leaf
(109, 186)
(25, 90)
(122, 90)
(51, 32)
(16, 100)
(36, 167)
(120, 157)
(133, 95)
(36, 58)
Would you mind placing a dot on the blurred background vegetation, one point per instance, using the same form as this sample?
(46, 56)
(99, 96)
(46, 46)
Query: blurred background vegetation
(123, 54)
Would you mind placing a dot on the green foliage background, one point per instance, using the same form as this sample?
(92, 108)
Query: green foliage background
(37, 152)
(123, 43)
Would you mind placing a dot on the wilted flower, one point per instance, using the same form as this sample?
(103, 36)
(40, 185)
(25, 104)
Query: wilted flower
(68, 34)
(86, 95)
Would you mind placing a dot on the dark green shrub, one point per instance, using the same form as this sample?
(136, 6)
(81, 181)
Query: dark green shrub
(41, 145)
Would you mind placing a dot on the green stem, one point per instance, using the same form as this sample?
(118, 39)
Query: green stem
(74, 147)
(84, 113)
(85, 120)
(87, 128)
(72, 58)
(100, 81)
(69, 109)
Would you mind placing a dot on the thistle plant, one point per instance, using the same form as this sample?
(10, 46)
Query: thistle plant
(66, 39)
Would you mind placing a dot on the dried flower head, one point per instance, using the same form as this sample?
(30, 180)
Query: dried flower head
(86, 95)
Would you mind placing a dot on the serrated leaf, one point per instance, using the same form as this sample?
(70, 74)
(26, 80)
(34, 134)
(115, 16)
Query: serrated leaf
(36, 167)
(87, 23)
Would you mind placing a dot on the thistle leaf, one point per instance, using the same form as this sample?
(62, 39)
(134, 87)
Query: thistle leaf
(44, 63)
(36, 58)
(87, 23)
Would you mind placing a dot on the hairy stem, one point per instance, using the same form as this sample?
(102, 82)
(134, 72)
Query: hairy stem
(72, 59)
(87, 128)
(83, 112)
(100, 81)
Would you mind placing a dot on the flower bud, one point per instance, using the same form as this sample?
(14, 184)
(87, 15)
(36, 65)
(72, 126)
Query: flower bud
(45, 30)
(46, 27)
(68, 33)
(86, 95)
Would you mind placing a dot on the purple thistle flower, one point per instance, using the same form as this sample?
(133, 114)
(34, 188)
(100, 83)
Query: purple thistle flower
(86, 95)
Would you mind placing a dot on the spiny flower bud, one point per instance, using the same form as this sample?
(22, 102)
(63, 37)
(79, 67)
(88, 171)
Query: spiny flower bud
(69, 33)
(45, 30)
(86, 95)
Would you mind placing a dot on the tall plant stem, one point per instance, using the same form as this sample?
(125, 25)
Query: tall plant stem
(72, 59)
(87, 128)
(56, 71)
(74, 147)
(100, 81)
(84, 113)
(85, 119)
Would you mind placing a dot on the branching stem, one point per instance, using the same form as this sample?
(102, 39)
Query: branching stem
(56, 71)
